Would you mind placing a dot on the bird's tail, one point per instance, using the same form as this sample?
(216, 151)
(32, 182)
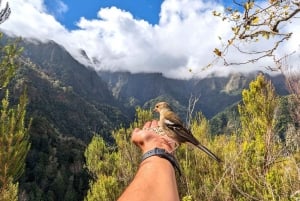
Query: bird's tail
(208, 152)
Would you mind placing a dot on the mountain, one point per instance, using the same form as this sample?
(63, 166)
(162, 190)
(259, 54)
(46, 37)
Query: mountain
(214, 93)
(72, 95)
(69, 103)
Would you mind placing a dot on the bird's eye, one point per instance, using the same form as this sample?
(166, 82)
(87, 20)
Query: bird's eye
(156, 106)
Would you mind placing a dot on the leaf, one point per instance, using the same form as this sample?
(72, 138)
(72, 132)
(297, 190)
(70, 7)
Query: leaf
(255, 20)
(217, 52)
(235, 15)
(273, 1)
(229, 9)
(215, 13)
(235, 30)
(266, 35)
(249, 5)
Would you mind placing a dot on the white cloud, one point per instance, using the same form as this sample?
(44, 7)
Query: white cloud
(29, 19)
(184, 39)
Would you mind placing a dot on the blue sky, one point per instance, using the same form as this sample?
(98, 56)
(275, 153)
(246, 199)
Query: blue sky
(140, 9)
(167, 36)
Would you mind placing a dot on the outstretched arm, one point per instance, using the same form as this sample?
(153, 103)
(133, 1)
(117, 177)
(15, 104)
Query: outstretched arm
(155, 179)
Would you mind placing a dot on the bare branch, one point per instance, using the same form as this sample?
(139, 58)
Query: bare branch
(4, 13)
(256, 22)
(275, 27)
(191, 106)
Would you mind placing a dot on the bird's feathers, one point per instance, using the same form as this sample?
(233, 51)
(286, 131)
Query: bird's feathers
(183, 134)
(208, 152)
(170, 121)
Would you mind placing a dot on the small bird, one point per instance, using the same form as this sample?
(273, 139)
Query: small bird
(175, 129)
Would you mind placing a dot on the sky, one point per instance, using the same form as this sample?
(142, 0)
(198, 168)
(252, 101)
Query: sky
(68, 12)
(174, 37)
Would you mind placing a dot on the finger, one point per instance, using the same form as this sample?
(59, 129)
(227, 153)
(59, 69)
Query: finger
(154, 124)
(147, 125)
(136, 130)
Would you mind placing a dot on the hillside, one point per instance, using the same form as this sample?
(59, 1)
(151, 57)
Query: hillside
(69, 103)
(214, 93)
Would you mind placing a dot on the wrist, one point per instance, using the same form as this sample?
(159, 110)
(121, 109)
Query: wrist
(159, 143)
(162, 153)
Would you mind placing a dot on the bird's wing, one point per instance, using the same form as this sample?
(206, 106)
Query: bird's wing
(173, 122)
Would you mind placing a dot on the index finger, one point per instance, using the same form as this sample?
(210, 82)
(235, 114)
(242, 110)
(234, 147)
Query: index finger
(154, 124)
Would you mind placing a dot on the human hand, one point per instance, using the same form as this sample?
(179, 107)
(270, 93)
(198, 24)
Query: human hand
(148, 139)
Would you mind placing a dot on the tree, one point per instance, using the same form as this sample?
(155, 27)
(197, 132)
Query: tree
(113, 167)
(7, 60)
(260, 146)
(292, 76)
(200, 175)
(14, 144)
(258, 119)
(255, 165)
(255, 21)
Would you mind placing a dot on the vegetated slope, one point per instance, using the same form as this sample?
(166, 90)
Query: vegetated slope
(68, 104)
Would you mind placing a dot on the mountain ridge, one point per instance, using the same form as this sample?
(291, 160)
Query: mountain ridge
(214, 93)
(70, 103)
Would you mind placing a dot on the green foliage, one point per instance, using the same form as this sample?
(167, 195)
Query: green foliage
(259, 121)
(226, 121)
(9, 192)
(60, 128)
(254, 166)
(258, 109)
(260, 172)
(99, 158)
(54, 165)
(14, 144)
(105, 188)
(112, 168)
(8, 55)
(201, 175)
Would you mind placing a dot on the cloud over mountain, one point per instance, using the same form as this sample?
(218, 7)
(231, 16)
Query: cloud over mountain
(184, 38)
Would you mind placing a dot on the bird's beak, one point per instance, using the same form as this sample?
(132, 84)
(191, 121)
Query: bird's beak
(154, 110)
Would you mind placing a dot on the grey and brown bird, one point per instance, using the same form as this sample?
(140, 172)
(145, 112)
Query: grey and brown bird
(174, 128)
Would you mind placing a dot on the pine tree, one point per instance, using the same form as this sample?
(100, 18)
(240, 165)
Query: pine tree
(260, 171)
(258, 119)
(14, 144)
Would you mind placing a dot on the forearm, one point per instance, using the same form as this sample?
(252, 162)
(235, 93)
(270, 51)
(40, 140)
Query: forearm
(154, 181)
